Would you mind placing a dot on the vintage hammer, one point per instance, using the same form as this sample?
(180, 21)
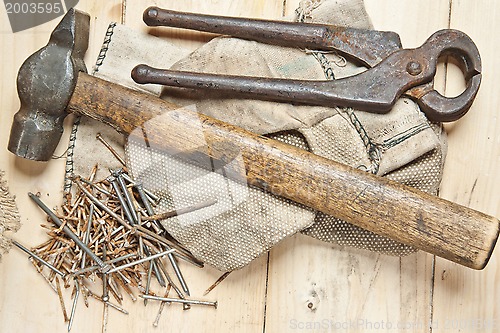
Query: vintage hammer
(53, 82)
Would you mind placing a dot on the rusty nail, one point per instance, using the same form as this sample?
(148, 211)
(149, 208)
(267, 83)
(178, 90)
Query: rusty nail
(162, 305)
(216, 283)
(111, 149)
(69, 233)
(105, 293)
(148, 281)
(61, 299)
(87, 234)
(181, 211)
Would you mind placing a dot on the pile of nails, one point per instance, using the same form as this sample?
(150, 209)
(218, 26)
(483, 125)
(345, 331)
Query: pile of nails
(107, 230)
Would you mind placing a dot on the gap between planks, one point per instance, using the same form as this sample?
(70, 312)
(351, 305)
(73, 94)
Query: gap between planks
(433, 276)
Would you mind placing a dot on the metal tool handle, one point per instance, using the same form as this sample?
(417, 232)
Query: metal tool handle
(375, 90)
(358, 92)
(367, 46)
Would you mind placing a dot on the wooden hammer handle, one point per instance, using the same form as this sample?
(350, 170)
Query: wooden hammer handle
(385, 207)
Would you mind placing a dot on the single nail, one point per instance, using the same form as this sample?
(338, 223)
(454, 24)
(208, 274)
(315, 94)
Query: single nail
(32, 254)
(105, 317)
(93, 172)
(116, 307)
(140, 261)
(162, 306)
(73, 308)
(69, 233)
(140, 248)
(111, 149)
(148, 281)
(216, 283)
(120, 228)
(61, 300)
(109, 262)
(178, 273)
(180, 211)
(105, 293)
(178, 300)
(85, 297)
(144, 199)
(87, 234)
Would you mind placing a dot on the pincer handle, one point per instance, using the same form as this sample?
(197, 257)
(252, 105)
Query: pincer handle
(368, 47)
(408, 72)
(394, 71)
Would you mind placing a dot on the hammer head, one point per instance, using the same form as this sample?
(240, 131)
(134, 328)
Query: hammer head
(45, 84)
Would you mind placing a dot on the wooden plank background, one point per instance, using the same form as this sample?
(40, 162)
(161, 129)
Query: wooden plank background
(303, 284)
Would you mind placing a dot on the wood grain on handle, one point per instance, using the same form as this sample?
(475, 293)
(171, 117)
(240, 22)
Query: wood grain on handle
(427, 222)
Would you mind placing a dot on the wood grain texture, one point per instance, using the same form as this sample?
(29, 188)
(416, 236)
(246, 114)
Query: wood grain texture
(343, 285)
(26, 301)
(332, 288)
(385, 207)
(243, 292)
(410, 282)
(463, 300)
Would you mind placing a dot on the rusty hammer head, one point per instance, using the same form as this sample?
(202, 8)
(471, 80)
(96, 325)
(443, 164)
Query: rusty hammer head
(45, 84)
